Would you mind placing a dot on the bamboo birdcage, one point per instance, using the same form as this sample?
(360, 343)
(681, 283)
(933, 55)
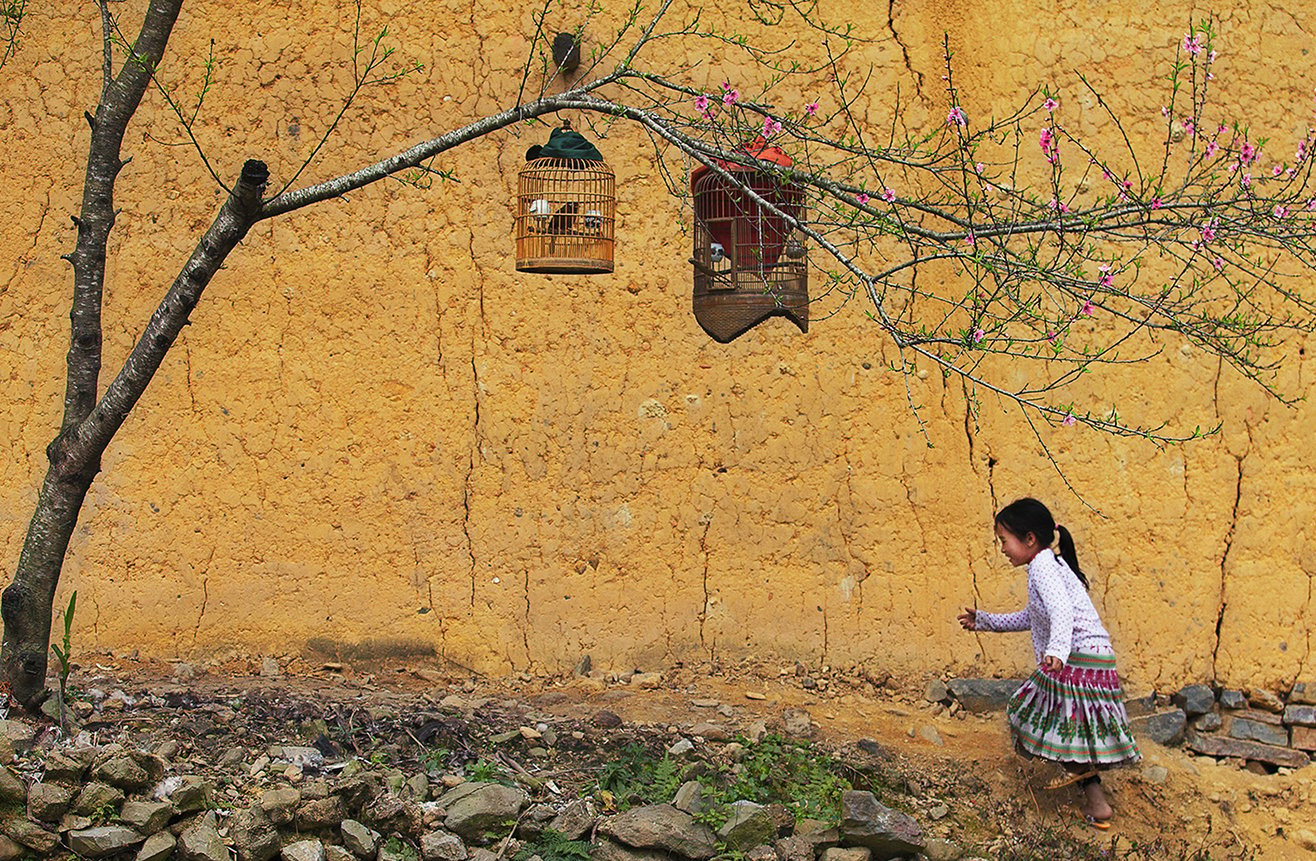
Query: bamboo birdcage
(749, 262)
(566, 211)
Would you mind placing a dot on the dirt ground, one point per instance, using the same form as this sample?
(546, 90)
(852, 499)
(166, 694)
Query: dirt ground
(1220, 807)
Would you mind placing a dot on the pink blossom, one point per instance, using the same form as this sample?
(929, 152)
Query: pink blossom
(889, 195)
(730, 97)
(771, 127)
(1156, 203)
(1050, 146)
(970, 240)
(701, 105)
(978, 335)
(1086, 310)
(1246, 180)
(1210, 58)
(1208, 230)
(1189, 128)
(1165, 110)
(979, 167)
(1247, 153)
(1211, 148)
(1276, 170)
(1218, 263)
(956, 117)
(1069, 420)
(1311, 204)
(811, 108)
(862, 199)
(1192, 43)
(1281, 211)
(1052, 337)
(1050, 105)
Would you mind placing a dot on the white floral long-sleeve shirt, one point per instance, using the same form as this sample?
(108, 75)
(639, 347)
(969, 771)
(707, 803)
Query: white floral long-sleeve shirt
(1059, 613)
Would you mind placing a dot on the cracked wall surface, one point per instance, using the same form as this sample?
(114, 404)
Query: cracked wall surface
(377, 437)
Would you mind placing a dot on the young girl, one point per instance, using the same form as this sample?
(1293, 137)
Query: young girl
(1071, 709)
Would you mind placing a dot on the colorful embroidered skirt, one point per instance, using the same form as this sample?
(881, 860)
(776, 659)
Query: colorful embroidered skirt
(1074, 715)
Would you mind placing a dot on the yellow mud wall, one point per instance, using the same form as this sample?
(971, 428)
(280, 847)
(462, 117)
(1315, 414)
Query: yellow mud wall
(377, 436)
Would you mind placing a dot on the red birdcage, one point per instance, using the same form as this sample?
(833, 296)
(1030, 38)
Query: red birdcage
(749, 262)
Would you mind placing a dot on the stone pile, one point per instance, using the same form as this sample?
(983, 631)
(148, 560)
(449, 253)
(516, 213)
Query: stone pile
(110, 801)
(1260, 727)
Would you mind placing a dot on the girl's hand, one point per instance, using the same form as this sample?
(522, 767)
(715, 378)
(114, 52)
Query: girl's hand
(1052, 664)
(968, 619)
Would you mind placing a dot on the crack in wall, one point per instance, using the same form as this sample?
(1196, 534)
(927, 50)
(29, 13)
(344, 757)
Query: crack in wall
(476, 337)
(205, 597)
(21, 259)
(1224, 561)
(904, 52)
(703, 613)
(525, 628)
(187, 364)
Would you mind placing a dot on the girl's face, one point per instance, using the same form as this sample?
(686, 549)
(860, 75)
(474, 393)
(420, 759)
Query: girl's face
(1020, 551)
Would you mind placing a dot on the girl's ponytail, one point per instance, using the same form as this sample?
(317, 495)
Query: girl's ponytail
(1070, 555)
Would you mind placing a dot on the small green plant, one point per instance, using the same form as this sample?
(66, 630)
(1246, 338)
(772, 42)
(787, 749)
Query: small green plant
(638, 774)
(554, 846)
(64, 654)
(485, 771)
(396, 847)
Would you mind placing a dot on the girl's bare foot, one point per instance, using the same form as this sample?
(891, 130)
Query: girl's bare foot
(1096, 806)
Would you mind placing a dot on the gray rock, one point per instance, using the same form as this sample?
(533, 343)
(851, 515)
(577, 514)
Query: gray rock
(61, 767)
(1303, 693)
(681, 747)
(280, 805)
(936, 692)
(661, 826)
(442, 846)
(333, 852)
(806, 843)
(606, 850)
(1139, 706)
(201, 842)
(1194, 700)
(122, 770)
(361, 841)
(942, 850)
(710, 731)
(1252, 730)
(254, 837)
(867, 822)
(12, 789)
(1263, 699)
(320, 813)
(96, 799)
(575, 820)
(488, 805)
(388, 813)
(187, 793)
(303, 850)
(158, 847)
(1166, 728)
(983, 695)
(31, 835)
(760, 853)
(748, 824)
(147, 817)
(9, 850)
(1214, 745)
(848, 853)
(929, 733)
(1231, 699)
(1209, 722)
(689, 798)
(1302, 715)
(47, 802)
(103, 840)
(19, 734)
(798, 723)
(1156, 775)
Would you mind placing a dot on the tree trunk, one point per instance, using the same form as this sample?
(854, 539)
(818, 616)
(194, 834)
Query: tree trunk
(75, 455)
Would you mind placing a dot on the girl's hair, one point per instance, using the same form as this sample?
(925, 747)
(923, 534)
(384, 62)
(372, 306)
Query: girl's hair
(1027, 515)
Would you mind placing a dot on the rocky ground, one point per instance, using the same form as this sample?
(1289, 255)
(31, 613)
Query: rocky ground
(309, 749)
